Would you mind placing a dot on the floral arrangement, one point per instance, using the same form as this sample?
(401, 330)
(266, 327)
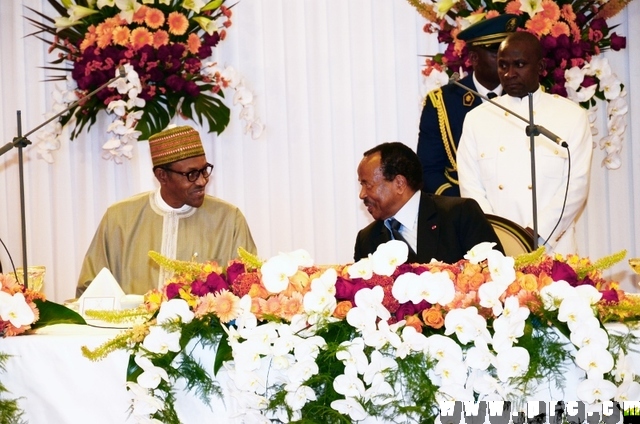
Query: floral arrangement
(18, 309)
(21, 310)
(377, 338)
(573, 33)
(161, 50)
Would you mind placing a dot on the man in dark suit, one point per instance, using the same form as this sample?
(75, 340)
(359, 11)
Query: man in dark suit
(445, 108)
(439, 227)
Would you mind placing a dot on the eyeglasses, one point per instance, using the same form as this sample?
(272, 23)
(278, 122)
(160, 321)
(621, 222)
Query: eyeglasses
(193, 176)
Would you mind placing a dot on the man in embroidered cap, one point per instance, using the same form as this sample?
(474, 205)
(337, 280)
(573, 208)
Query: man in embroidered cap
(445, 108)
(177, 220)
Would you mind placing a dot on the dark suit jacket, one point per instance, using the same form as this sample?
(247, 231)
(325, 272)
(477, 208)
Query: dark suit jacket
(448, 227)
(431, 149)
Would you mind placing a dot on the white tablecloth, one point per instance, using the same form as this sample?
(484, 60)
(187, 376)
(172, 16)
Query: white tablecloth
(55, 384)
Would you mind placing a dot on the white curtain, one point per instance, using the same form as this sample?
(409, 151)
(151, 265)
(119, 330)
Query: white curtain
(332, 79)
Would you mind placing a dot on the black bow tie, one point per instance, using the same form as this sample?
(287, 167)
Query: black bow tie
(491, 95)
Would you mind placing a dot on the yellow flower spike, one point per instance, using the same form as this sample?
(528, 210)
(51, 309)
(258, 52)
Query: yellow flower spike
(121, 341)
(529, 258)
(250, 260)
(179, 267)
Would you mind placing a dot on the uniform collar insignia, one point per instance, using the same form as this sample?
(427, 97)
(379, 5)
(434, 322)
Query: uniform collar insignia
(468, 99)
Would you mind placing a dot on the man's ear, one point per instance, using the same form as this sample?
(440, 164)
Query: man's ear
(542, 65)
(400, 183)
(473, 57)
(161, 175)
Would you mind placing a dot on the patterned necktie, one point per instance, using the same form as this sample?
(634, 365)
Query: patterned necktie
(491, 95)
(395, 232)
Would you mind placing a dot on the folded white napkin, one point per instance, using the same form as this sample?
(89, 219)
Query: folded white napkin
(104, 293)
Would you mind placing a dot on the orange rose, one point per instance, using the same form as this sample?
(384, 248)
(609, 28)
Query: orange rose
(342, 308)
(433, 317)
(299, 282)
(513, 289)
(544, 280)
(475, 281)
(414, 321)
(258, 291)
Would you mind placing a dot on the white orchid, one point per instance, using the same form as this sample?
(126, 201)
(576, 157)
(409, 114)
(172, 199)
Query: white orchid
(351, 353)
(161, 341)
(380, 337)
(276, 272)
(309, 347)
(412, 341)
(596, 390)
(451, 372)
(151, 375)
(380, 391)
(361, 269)
(501, 267)
(440, 347)
(350, 407)
(349, 385)
(589, 334)
(573, 310)
(144, 403)
(623, 370)
(302, 371)
(512, 362)
(599, 67)
(15, 309)
(574, 77)
(388, 256)
(479, 252)
(490, 293)
(175, 310)
(479, 356)
(553, 294)
(629, 390)
(379, 364)
(432, 287)
(581, 94)
(369, 303)
(611, 86)
(467, 325)
(595, 360)
(299, 397)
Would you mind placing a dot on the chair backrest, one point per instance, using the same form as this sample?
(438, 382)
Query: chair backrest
(515, 239)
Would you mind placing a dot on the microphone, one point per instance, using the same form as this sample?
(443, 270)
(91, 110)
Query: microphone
(530, 130)
(121, 72)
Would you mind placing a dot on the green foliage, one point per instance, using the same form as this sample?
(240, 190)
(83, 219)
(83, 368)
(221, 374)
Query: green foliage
(54, 313)
(10, 413)
(205, 332)
(549, 356)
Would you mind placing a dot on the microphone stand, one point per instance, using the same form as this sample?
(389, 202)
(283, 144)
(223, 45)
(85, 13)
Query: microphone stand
(531, 130)
(21, 141)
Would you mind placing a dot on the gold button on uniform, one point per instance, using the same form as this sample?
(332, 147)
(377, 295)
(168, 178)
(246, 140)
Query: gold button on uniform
(529, 187)
(502, 148)
(500, 186)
